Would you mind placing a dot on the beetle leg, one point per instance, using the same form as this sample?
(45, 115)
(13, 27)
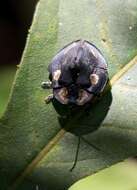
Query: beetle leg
(46, 85)
(49, 98)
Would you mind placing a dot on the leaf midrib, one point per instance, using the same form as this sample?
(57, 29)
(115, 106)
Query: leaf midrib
(61, 133)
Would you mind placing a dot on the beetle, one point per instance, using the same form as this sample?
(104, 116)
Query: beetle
(77, 73)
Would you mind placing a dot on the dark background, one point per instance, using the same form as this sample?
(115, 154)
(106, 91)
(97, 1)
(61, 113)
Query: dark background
(15, 20)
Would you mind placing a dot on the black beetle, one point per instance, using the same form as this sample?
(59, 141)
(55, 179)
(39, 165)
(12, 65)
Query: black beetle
(77, 74)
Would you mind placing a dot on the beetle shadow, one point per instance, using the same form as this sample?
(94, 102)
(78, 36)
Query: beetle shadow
(86, 119)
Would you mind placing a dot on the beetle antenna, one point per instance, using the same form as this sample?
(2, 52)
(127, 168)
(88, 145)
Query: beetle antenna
(76, 157)
(78, 146)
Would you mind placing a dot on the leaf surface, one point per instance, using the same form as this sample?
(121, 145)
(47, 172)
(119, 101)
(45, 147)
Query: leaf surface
(28, 124)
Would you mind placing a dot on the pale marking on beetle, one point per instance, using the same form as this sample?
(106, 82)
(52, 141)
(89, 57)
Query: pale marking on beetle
(94, 78)
(60, 134)
(63, 95)
(56, 75)
(83, 95)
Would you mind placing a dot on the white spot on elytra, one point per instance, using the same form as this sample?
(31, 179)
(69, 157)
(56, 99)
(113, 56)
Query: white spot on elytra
(56, 74)
(94, 78)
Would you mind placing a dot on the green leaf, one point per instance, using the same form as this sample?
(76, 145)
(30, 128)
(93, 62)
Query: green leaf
(121, 176)
(29, 126)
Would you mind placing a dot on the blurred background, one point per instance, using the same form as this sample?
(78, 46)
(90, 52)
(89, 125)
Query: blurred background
(15, 21)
